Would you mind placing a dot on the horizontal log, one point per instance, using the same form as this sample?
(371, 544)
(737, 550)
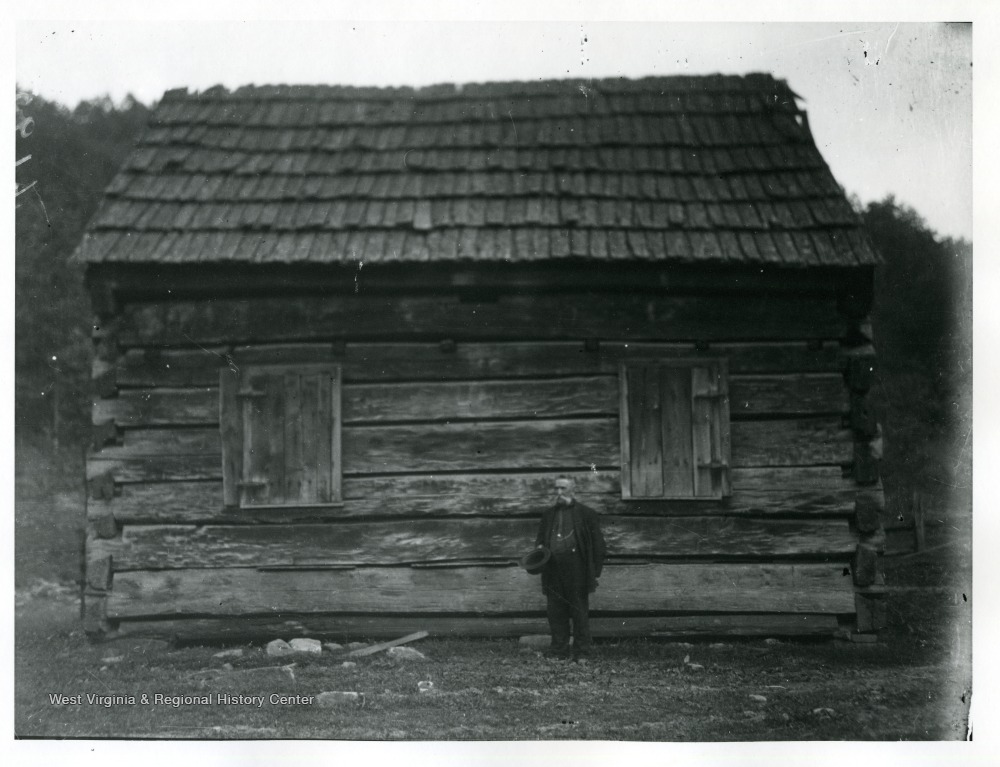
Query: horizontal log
(799, 442)
(529, 398)
(787, 395)
(532, 398)
(809, 588)
(352, 627)
(163, 454)
(159, 407)
(805, 491)
(378, 362)
(171, 280)
(156, 468)
(560, 316)
(478, 446)
(502, 540)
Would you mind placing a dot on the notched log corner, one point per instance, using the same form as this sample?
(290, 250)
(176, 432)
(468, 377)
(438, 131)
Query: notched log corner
(860, 373)
(868, 508)
(102, 486)
(871, 612)
(864, 565)
(95, 617)
(865, 467)
(99, 574)
(104, 434)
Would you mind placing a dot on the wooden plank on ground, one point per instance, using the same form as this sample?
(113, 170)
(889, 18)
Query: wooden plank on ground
(457, 539)
(352, 627)
(553, 317)
(809, 588)
(362, 652)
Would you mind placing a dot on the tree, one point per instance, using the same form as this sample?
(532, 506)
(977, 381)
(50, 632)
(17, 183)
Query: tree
(73, 157)
(923, 331)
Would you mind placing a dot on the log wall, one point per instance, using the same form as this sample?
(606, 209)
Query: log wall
(456, 416)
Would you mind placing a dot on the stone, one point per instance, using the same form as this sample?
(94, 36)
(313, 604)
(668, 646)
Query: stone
(334, 698)
(306, 645)
(113, 659)
(279, 647)
(759, 698)
(824, 712)
(348, 664)
(236, 652)
(535, 640)
(227, 666)
(425, 687)
(864, 638)
(333, 646)
(405, 654)
(356, 645)
(695, 667)
(772, 641)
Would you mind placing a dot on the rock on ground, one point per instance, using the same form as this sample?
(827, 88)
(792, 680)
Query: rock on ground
(236, 652)
(338, 698)
(356, 645)
(333, 646)
(306, 645)
(535, 640)
(405, 653)
(279, 647)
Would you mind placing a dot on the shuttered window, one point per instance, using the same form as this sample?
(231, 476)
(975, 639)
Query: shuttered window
(674, 429)
(281, 436)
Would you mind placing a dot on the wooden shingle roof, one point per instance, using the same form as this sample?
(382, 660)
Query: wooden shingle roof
(685, 169)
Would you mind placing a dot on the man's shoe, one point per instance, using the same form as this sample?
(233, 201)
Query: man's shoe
(558, 653)
(583, 655)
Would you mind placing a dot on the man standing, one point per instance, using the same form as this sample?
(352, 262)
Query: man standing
(572, 533)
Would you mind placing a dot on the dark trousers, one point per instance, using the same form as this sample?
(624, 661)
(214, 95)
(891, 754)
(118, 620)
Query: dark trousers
(567, 600)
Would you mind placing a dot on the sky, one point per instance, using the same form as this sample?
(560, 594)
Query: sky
(889, 103)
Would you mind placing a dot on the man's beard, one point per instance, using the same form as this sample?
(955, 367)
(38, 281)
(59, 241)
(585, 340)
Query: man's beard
(563, 500)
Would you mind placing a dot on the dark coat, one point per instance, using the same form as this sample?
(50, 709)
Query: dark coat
(590, 541)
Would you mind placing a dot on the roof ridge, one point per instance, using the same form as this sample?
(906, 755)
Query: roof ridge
(714, 82)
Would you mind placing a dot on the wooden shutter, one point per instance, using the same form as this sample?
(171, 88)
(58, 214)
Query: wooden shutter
(281, 436)
(674, 429)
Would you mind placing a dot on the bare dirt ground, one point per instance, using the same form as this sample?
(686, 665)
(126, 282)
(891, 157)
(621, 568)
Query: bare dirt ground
(915, 684)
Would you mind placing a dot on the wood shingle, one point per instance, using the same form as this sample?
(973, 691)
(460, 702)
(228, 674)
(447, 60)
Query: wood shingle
(619, 162)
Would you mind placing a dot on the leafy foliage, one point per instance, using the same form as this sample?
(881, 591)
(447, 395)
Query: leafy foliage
(73, 157)
(923, 330)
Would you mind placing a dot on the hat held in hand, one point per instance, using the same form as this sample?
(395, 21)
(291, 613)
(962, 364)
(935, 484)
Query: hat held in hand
(535, 560)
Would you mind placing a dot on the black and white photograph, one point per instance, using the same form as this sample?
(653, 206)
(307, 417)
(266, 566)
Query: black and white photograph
(460, 380)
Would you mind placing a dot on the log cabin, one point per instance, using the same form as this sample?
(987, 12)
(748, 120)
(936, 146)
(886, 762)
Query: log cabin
(346, 338)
